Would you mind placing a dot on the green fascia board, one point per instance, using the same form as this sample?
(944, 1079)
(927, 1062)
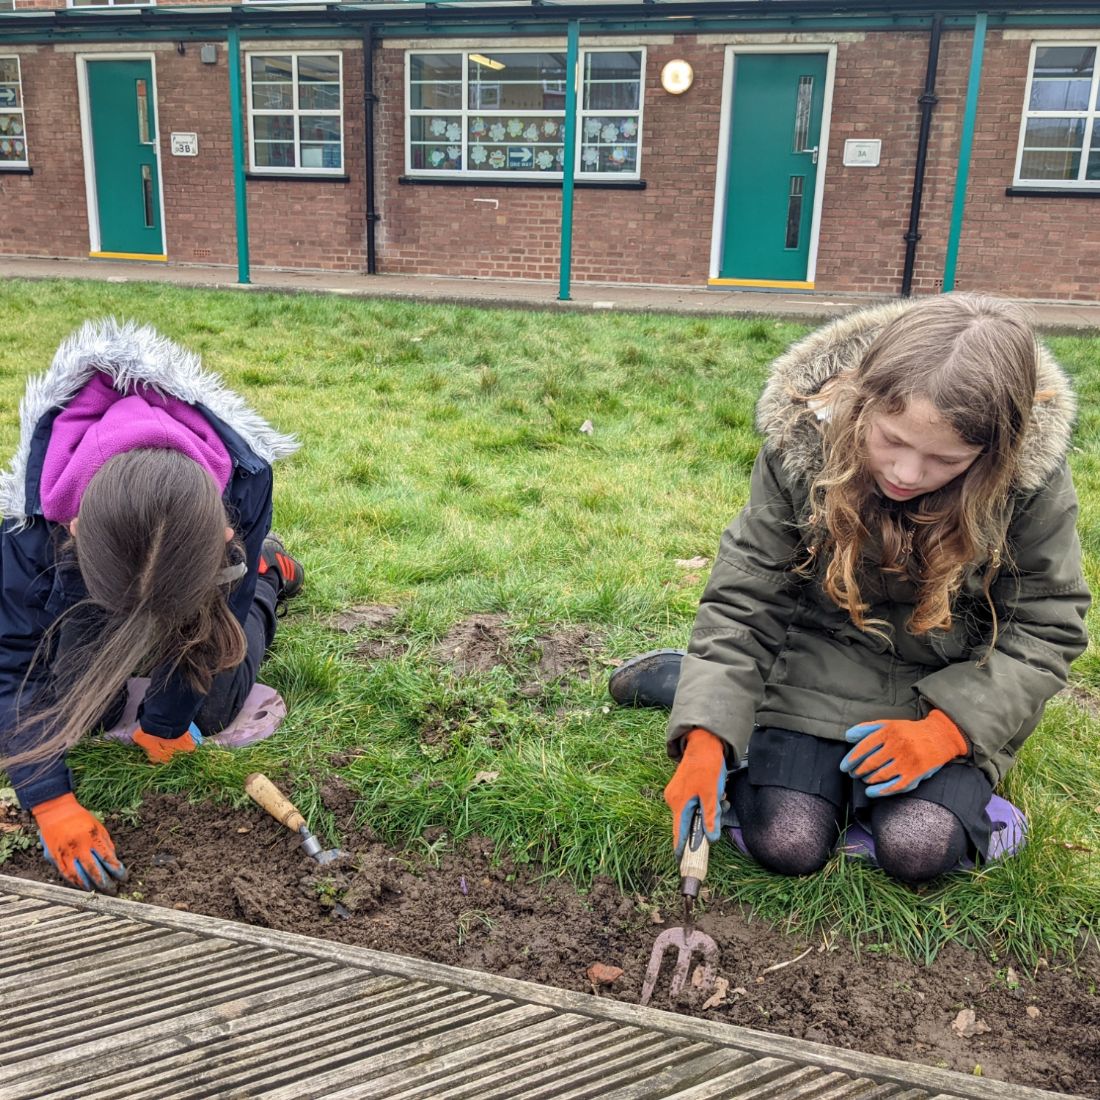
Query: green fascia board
(444, 20)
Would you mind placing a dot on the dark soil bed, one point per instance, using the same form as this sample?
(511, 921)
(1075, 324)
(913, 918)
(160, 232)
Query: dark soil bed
(466, 909)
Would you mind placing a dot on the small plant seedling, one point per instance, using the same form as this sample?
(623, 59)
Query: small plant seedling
(468, 920)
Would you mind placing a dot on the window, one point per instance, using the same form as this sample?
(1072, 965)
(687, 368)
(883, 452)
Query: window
(110, 3)
(501, 113)
(295, 114)
(1060, 131)
(13, 129)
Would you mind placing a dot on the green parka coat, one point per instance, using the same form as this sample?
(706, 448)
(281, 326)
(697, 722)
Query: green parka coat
(770, 648)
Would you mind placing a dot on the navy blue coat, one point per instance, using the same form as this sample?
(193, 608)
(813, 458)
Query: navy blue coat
(39, 581)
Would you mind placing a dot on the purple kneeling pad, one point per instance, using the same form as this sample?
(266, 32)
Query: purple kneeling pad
(260, 716)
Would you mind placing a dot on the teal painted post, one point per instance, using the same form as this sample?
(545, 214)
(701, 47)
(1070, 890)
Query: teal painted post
(966, 140)
(570, 157)
(238, 154)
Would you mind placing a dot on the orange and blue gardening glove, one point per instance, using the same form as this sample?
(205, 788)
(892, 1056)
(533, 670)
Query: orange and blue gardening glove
(699, 781)
(161, 749)
(78, 844)
(894, 755)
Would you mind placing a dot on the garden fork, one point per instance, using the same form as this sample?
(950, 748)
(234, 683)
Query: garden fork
(686, 938)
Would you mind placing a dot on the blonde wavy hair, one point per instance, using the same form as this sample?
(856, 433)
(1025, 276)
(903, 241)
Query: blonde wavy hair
(975, 360)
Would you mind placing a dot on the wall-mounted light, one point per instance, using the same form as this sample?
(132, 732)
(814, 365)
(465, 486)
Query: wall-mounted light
(488, 62)
(676, 77)
(181, 49)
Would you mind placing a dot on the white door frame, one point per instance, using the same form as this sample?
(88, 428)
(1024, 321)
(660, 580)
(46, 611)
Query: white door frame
(726, 121)
(95, 240)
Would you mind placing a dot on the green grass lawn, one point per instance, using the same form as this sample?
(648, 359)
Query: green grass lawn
(443, 471)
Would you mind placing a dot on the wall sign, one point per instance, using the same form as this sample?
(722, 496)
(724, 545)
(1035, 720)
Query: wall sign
(185, 145)
(862, 153)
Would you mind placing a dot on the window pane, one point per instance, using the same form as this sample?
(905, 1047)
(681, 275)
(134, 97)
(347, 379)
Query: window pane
(1062, 78)
(266, 67)
(273, 127)
(440, 128)
(9, 71)
(319, 128)
(1053, 165)
(435, 81)
(430, 147)
(321, 155)
(1054, 133)
(272, 97)
(612, 81)
(319, 97)
(319, 69)
(522, 82)
(503, 158)
(546, 130)
(1092, 169)
(275, 154)
(609, 145)
(11, 147)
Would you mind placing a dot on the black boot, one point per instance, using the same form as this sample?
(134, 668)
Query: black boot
(647, 681)
(287, 572)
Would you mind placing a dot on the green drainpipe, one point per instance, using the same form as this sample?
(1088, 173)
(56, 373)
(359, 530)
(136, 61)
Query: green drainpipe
(965, 143)
(238, 154)
(570, 159)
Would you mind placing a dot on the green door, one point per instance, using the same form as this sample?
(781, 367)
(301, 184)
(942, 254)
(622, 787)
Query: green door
(124, 135)
(773, 153)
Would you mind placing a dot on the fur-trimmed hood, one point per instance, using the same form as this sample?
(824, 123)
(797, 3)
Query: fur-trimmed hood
(130, 355)
(790, 426)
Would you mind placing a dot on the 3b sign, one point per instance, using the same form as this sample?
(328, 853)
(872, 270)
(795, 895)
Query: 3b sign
(185, 145)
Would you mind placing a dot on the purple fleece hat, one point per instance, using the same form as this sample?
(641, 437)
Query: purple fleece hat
(100, 423)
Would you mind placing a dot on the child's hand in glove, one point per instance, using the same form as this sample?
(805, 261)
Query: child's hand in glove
(78, 844)
(700, 780)
(894, 755)
(161, 749)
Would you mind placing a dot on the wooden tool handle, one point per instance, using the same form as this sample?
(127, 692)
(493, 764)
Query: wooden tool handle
(263, 791)
(693, 863)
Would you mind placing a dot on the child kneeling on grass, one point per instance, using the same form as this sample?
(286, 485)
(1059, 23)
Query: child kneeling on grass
(890, 613)
(135, 537)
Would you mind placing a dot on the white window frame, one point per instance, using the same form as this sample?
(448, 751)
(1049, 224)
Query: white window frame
(1091, 116)
(21, 112)
(466, 112)
(296, 112)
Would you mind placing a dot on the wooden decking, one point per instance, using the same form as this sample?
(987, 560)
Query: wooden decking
(102, 999)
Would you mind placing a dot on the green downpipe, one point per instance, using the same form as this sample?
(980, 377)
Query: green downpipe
(238, 154)
(966, 141)
(570, 159)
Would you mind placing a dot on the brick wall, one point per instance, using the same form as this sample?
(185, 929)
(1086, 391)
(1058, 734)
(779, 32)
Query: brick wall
(1027, 246)
(297, 223)
(659, 235)
(44, 214)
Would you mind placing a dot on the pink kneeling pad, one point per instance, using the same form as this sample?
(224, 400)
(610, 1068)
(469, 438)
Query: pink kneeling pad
(261, 715)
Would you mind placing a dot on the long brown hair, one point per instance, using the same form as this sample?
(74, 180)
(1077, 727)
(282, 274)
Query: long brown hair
(975, 360)
(150, 545)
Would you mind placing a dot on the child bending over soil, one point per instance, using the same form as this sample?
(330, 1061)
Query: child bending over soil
(889, 614)
(135, 538)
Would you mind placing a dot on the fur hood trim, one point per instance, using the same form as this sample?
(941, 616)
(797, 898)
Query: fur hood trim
(791, 427)
(131, 355)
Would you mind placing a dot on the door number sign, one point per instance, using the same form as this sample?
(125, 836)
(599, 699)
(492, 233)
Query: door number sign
(185, 145)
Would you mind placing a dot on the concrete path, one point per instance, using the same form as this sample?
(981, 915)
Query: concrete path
(102, 999)
(812, 307)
